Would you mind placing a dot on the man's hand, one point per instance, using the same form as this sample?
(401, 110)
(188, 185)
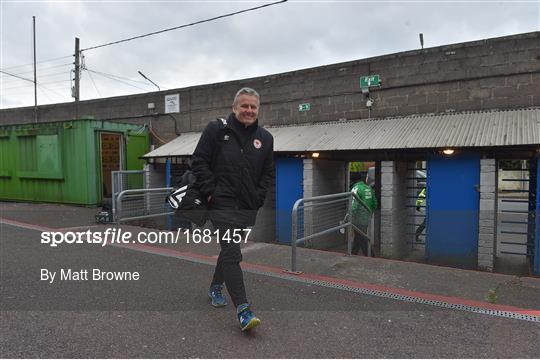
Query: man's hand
(209, 198)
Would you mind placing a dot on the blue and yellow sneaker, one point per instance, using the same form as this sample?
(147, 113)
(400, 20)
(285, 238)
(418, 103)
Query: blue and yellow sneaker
(246, 318)
(218, 300)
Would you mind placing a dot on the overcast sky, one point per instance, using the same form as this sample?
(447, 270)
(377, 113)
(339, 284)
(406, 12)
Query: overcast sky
(289, 36)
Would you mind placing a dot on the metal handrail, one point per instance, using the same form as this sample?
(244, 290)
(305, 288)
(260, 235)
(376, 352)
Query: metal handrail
(129, 192)
(346, 223)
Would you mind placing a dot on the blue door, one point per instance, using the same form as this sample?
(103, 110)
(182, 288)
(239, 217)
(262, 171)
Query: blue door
(537, 235)
(452, 209)
(289, 188)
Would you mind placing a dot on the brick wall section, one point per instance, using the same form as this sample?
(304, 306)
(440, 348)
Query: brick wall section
(494, 73)
(393, 209)
(488, 215)
(323, 177)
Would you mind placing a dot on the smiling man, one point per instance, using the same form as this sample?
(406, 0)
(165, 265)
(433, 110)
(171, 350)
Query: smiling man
(234, 166)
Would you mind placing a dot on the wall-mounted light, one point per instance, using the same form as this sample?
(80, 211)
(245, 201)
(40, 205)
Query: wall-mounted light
(369, 102)
(448, 151)
(315, 155)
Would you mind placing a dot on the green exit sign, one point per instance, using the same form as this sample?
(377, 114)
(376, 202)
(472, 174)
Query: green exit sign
(304, 107)
(369, 81)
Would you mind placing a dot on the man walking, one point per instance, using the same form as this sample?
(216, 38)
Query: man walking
(234, 166)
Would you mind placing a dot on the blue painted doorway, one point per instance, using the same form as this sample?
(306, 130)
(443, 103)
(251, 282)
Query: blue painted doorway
(453, 201)
(289, 188)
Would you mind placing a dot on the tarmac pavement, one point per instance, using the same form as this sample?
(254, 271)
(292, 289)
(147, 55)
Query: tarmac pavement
(334, 309)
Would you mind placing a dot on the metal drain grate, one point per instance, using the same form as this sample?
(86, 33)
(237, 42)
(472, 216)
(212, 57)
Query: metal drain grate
(442, 304)
(383, 294)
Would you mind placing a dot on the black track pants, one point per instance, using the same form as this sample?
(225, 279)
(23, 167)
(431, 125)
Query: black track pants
(228, 268)
(360, 241)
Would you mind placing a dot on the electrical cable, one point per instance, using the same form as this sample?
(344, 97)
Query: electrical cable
(31, 90)
(53, 91)
(176, 131)
(43, 69)
(93, 82)
(112, 78)
(183, 26)
(39, 62)
(17, 76)
(65, 72)
(40, 77)
(44, 93)
(156, 136)
(45, 83)
(122, 78)
(140, 130)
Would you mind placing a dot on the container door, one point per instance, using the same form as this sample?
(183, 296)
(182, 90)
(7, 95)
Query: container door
(289, 188)
(453, 201)
(136, 146)
(111, 155)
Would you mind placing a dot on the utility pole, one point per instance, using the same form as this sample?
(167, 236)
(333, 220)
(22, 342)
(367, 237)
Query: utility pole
(77, 70)
(35, 73)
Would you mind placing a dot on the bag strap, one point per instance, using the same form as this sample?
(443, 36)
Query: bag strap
(218, 140)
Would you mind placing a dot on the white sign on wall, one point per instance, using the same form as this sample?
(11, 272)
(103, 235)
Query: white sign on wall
(172, 103)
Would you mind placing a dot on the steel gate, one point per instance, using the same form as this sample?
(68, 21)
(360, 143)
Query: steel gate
(138, 204)
(126, 180)
(416, 215)
(515, 237)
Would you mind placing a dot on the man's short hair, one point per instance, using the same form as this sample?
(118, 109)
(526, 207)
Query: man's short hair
(246, 91)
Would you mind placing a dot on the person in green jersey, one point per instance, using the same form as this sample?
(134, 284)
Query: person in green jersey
(363, 205)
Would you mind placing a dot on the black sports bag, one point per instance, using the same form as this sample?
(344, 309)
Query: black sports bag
(188, 201)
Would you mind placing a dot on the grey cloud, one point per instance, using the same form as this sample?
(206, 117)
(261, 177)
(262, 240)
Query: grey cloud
(282, 38)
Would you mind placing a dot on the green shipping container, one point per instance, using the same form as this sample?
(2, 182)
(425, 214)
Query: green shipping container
(67, 162)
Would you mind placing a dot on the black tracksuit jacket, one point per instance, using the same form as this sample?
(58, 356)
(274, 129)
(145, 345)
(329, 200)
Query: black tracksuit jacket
(235, 165)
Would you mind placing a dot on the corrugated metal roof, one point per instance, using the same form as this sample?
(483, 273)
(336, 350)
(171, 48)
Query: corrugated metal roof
(470, 129)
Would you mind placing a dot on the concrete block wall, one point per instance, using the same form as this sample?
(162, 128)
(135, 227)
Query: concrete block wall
(154, 178)
(494, 73)
(264, 229)
(393, 209)
(323, 177)
(487, 227)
